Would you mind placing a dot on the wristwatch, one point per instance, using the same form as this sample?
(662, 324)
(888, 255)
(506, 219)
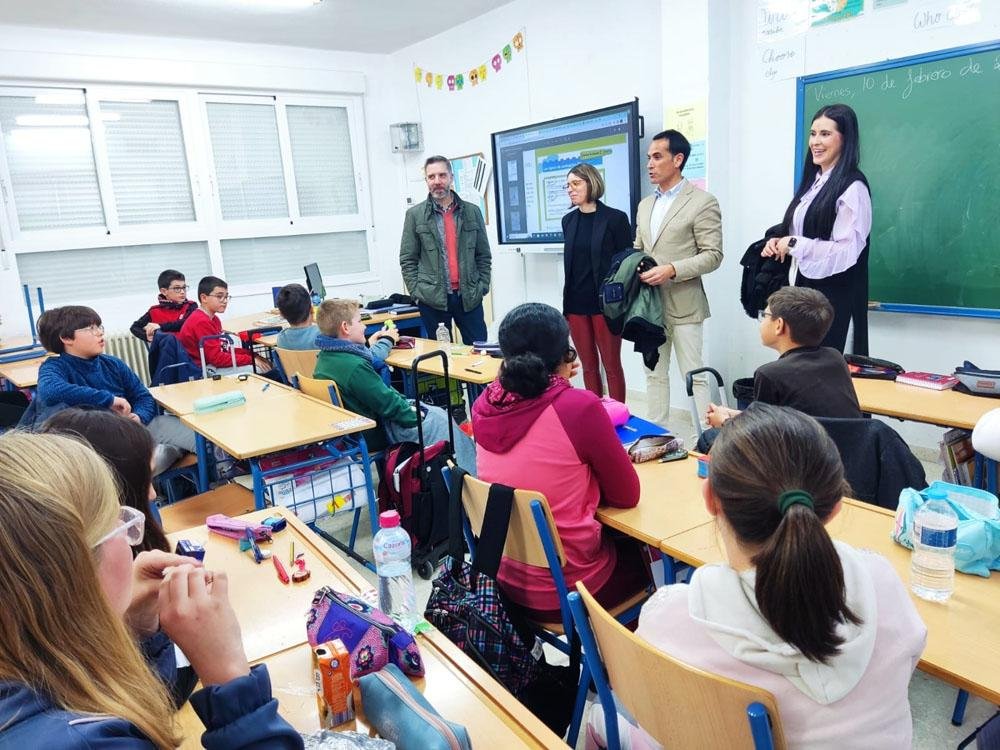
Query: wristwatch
(792, 241)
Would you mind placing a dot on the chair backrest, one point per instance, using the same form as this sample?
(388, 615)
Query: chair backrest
(523, 541)
(677, 704)
(297, 360)
(324, 390)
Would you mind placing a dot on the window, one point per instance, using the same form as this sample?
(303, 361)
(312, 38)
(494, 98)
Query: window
(248, 164)
(149, 169)
(50, 160)
(71, 277)
(264, 259)
(321, 154)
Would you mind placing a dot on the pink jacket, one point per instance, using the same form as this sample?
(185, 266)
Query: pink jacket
(561, 444)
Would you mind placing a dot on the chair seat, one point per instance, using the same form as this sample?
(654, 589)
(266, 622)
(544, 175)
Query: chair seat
(636, 598)
(188, 459)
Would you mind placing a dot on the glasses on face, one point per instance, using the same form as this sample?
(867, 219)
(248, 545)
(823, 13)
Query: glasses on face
(177, 289)
(570, 355)
(764, 314)
(132, 523)
(574, 184)
(222, 297)
(94, 330)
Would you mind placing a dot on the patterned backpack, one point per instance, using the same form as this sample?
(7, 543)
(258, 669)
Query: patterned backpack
(466, 603)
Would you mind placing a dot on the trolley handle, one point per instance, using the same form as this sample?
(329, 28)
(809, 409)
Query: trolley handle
(689, 379)
(447, 386)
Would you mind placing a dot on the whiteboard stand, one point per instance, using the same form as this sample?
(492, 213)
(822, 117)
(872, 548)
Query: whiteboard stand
(524, 252)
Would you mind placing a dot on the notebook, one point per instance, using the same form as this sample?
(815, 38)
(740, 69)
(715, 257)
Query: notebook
(928, 380)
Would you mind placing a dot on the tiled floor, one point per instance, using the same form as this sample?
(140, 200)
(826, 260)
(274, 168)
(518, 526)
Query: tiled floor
(931, 700)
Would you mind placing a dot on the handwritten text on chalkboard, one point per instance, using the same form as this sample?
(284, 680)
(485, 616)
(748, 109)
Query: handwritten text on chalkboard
(904, 82)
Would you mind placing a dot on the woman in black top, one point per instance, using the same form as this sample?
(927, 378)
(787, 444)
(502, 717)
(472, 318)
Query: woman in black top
(593, 233)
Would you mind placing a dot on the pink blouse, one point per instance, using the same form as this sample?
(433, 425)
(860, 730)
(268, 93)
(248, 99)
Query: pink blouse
(818, 258)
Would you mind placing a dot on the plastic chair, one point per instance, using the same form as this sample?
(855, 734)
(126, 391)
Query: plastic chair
(297, 360)
(319, 388)
(692, 709)
(533, 539)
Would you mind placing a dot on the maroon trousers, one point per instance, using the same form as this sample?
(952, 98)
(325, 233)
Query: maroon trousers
(591, 335)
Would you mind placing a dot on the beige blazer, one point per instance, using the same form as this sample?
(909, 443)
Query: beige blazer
(691, 239)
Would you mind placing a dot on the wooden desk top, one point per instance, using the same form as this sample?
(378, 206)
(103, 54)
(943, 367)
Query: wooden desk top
(669, 502)
(272, 318)
(945, 408)
(287, 419)
(272, 615)
(962, 647)
(179, 398)
(272, 619)
(23, 374)
(480, 369)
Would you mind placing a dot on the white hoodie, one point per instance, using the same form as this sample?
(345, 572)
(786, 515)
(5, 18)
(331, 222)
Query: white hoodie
(859, 700)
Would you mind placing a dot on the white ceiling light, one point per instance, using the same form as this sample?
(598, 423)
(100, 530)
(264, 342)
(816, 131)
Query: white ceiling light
(269, 4)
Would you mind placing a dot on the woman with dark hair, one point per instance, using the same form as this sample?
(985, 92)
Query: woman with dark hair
(593, 234)
(829, 630)
(128, 449)
(534, 431)
(826, 226)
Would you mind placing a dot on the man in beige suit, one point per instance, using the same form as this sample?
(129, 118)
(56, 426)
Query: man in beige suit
(681, 227)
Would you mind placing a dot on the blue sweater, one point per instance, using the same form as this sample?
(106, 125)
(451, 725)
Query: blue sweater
(75, 381)
(238, 714)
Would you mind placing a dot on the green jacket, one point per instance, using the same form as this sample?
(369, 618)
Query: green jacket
(422, 255)
(364, 393)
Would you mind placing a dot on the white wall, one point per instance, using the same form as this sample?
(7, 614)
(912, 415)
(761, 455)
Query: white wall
(30, 55)
(578, 56)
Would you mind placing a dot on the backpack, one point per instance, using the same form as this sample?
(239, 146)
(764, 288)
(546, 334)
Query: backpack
(466, 603)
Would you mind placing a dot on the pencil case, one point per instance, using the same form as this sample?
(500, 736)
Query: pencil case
(220, 401)
(234, 528)
(400, 714)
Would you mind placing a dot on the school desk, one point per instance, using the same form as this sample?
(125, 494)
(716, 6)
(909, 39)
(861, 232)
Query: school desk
(179, 398)
(475, 370)
(10, 344)
(409, 321)
(909, 402)
(669, 502)
(962, 645)
(459, 689)
(23, 374)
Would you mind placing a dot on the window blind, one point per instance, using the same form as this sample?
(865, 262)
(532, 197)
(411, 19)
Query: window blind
(248, 165)
(266, 259)
(51, 162)
(321, 156)
(149, 169)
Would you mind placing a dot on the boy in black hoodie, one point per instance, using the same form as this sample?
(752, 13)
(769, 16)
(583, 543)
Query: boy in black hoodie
(170, 311)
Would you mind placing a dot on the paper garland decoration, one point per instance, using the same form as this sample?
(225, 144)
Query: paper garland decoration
(474, 76)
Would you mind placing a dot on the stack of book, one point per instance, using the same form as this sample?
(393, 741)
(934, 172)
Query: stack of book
(927, 380)
(958, 457)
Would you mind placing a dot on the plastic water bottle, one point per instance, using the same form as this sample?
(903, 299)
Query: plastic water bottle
(391, 548)
(932, 566)
(443, 335)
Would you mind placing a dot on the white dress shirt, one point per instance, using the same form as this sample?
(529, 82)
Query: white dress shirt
(661, 205)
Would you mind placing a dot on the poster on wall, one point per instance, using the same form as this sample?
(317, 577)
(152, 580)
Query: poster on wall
(879, 4)
(691, 120)
(935, 15)
(780, 19)
(783, 59)
(833, 11)
(472, 177)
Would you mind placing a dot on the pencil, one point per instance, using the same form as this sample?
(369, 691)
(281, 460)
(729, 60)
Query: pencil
(291, 556)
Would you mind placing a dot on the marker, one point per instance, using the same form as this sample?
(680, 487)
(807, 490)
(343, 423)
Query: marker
(282, 573)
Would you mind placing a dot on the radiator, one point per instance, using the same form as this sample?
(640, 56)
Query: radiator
(130, 350)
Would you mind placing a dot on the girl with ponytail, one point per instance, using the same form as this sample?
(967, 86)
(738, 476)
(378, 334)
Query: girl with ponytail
(535, 431)
(829, 630)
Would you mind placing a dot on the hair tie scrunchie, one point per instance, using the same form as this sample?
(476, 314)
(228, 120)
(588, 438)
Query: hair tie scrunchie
(794, 497)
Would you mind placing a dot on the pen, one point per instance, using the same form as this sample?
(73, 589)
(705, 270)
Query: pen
(282, 573)
(469, 369)
(266, 386)
(257, 556)
(477, 363)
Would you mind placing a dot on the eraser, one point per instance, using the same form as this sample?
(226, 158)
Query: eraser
(190, 549)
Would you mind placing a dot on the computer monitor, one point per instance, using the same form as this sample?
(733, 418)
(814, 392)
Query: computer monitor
(314, 281)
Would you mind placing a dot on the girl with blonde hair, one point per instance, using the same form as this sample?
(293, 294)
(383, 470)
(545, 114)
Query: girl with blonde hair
(81, 623)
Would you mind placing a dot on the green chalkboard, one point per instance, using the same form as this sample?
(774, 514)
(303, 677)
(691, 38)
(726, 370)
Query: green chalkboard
(930, 147)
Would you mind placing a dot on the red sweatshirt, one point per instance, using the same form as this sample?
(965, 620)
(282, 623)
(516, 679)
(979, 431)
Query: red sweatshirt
(217, 353)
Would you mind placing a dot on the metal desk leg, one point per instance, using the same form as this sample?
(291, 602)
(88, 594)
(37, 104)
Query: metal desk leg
(201, 449)
(258, 484)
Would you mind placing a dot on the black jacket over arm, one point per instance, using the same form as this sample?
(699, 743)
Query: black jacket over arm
(612, 234)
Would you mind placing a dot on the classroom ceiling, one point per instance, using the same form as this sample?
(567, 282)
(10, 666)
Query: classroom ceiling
(378, 26)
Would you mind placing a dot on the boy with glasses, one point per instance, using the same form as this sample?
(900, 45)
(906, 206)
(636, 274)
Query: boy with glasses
(83, 375)
(213, 298)
(171, 310)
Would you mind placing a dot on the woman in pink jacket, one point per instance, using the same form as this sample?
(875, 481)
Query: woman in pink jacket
(535, 431)
(829, 630)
